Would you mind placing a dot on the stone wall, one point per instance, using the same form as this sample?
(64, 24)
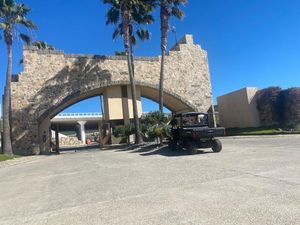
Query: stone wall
(52, 81)
(68, 141)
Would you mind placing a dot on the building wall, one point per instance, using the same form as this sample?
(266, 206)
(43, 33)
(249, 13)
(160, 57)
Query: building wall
(238, 109)
(52, 81)
(115, 100)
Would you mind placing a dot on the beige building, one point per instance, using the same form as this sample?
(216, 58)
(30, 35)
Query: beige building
(238, 109)
(118, 103)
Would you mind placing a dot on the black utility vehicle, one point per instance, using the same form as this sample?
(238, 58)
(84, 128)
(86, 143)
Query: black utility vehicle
(192, 130)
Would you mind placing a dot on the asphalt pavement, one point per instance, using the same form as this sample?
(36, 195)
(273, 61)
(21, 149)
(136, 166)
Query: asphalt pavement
(252, 181)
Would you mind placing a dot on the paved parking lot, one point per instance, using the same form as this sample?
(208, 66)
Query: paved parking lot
(252, 181)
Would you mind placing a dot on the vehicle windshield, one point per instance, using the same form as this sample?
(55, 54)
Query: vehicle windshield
(191, 120)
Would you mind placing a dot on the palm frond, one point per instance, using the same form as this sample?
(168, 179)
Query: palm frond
(179, 2)
(2, 26)
(27, 23)
(7, 3)
(12, 17)
(116, 33)
(177, 12)
(42, 45)
(143, 34)
(25, 38)
(112, 16)
(133, 40)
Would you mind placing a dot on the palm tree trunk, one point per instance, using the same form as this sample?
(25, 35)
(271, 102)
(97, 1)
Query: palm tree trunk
(101, 123)
(161, 82)
(164, 27)
(132, 59)
(138, 139)
(125, 21)
(7, 147)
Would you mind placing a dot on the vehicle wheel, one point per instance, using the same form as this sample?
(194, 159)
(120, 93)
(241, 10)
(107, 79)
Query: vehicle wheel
(172, 145)
(191, 147)
(216, 145)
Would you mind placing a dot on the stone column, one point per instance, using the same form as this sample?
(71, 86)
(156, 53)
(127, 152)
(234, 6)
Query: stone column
(57, 139)
(45, 136)
(82, 131)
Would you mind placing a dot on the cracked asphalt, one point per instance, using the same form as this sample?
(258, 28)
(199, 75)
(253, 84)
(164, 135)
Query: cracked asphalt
(252, 181)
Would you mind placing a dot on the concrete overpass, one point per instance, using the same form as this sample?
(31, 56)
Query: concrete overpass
(80, 120)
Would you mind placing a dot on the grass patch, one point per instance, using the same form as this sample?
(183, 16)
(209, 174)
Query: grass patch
(7, 157)
(260, 131)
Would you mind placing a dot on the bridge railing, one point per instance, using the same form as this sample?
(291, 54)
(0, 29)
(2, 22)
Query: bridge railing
(72, 115)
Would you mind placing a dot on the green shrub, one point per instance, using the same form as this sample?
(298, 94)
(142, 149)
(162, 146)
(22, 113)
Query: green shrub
(154, 125)
(158, 132)
(124, 131)
(154, 118)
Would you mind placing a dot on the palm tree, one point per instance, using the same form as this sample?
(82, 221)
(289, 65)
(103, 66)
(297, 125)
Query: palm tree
(168, 8)
(12, 17)
(128, 16)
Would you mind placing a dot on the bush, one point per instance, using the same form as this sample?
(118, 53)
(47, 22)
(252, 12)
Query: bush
(154, 125)
(267, 105)
(289, 107)
(124, 131)
(279, 107)
(154, 118)
(158, 132)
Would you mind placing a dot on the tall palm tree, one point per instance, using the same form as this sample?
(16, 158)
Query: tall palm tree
(12, 18)
(168, 8)
(128, 16)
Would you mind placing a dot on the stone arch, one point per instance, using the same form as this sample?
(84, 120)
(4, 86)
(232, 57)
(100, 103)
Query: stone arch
(172, 101)
(51, 80)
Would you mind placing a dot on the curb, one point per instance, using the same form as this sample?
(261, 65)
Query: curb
(260, 136)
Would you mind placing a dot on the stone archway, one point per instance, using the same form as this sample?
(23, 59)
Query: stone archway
(52, 80)
(172, 101)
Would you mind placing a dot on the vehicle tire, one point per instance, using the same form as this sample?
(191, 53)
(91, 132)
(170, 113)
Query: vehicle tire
(216, 145)
(172, 145)
(191, 147)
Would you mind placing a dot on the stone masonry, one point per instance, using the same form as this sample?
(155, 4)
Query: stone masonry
(52, 81)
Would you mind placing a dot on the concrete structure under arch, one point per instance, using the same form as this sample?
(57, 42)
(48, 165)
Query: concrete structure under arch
(52, 81)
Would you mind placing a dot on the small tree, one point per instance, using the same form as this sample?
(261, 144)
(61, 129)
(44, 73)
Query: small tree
(155, 125)
(154, 118)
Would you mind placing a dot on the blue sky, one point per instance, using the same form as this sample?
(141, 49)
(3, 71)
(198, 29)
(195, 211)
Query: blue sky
(249, 42)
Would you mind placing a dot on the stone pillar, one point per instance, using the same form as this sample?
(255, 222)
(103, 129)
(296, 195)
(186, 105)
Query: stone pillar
(82, 131)
(57, 138)
(45, 136)
(124, 95)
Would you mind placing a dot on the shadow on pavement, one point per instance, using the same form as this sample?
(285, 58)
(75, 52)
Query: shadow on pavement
(165, 151)
(148, 149)
(145, 149)
(80, 148)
